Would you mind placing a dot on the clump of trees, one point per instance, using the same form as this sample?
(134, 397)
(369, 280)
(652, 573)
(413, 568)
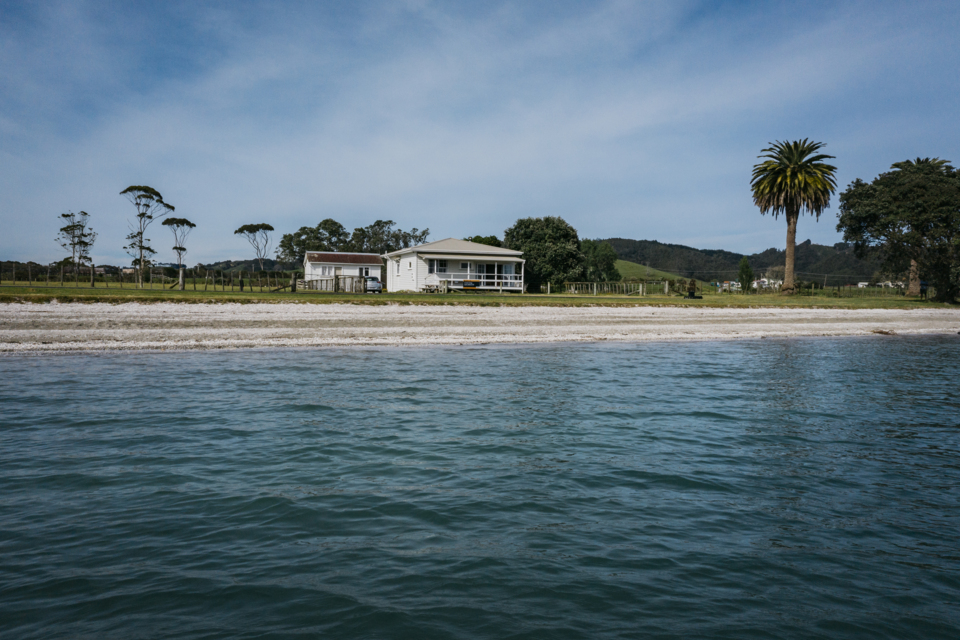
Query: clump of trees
(911, 216)
(490, 241)
(551, 249)
(599, 261)
(793, 179)
(380, 237)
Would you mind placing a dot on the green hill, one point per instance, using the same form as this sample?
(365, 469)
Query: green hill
(837, 264)
(634, 271)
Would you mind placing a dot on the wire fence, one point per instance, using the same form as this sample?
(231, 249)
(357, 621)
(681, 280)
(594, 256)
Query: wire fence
(155, 278)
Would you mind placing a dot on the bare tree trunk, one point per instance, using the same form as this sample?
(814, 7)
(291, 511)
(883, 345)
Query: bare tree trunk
(913, 289)
(92, 271)
(183, 278)
(788, 281)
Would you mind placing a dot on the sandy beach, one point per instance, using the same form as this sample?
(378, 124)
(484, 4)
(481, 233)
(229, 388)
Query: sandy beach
(133, 326)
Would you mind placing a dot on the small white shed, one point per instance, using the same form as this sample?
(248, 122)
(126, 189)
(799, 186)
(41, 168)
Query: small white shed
(326, 264)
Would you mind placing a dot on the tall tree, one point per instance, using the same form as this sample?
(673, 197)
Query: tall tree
(77, 237)
(258, 235)
(793, 178)
(181, 228)
(550, 247)
(150, 206)
(745, 275)
(600, 261)
(912, 216)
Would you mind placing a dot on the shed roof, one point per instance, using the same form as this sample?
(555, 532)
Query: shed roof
(460, 247)
(333, 257)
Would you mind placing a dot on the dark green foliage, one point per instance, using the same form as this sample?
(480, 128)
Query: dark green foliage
(550, 247)
(181, 229)
(812, 260)
(380, 237)
(745, 275)
(490, 241)
(329, 235)
(910, 213)
(600, 261)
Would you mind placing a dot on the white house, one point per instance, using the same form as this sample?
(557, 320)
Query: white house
(460, 264)
(326, 264)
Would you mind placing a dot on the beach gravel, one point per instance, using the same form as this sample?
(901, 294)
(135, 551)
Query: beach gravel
(135, 326)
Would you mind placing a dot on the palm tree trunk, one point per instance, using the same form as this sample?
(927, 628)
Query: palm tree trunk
(788, 284)
(913, 289)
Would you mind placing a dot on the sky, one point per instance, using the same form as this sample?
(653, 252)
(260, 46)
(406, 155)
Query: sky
(628, 119)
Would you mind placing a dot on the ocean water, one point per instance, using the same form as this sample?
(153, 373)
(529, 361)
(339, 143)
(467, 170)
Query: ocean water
(764, 489)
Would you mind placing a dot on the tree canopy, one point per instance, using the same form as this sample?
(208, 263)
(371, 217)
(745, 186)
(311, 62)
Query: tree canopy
(258, 235)
(380, 237)
(793, 178)
(600, 261)
(76, 236)
(150, 206)
(909, 213)
(490, 241)
(181, 228)
(550, 247)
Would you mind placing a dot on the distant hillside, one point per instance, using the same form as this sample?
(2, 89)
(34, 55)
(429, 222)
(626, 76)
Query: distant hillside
(813, 261)
(247, 266)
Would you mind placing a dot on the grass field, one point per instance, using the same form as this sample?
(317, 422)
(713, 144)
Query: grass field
(634, 271)
(118, 296)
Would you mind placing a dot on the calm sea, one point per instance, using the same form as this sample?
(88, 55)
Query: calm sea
(765, 489)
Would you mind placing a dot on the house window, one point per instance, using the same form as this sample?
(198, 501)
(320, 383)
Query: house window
(508, 269)
(441, 266)
(410, 264)
(364, 271)
(431, 266)
(464, 266)
(398, 267)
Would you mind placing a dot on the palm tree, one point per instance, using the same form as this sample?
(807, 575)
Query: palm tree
(790, 180)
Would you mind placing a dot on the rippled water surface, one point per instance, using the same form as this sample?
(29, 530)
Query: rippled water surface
(767, 489)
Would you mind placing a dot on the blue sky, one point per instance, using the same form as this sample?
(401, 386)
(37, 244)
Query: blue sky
(631, 119)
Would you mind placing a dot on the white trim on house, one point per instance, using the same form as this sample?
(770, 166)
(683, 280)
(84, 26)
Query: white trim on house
(487, 268)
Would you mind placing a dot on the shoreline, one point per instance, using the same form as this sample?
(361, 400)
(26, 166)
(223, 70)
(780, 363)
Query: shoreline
(96, 327)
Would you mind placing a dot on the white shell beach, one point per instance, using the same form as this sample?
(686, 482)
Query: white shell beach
(134, 326)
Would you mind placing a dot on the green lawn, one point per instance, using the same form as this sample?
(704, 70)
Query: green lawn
(116, 296)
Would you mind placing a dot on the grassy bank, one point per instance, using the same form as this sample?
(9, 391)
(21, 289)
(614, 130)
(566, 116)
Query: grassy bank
(118, 296)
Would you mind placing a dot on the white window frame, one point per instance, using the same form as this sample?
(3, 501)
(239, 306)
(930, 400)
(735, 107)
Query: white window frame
(441, 266)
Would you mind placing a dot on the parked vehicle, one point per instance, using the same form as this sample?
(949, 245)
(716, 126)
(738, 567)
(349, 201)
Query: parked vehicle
(374, 285)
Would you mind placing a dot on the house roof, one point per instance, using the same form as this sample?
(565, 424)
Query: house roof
(330, 257)
(458, 247)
